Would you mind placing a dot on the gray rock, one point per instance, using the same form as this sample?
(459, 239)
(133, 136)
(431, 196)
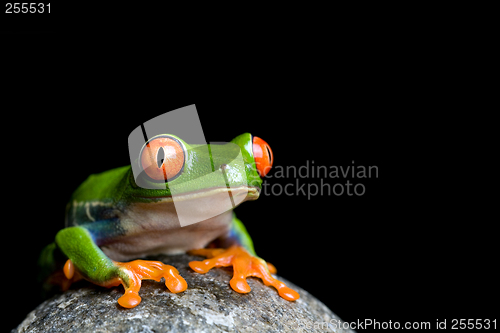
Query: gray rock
(208, 305)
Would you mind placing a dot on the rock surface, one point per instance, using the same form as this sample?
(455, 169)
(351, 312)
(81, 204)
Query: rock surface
(208, 305)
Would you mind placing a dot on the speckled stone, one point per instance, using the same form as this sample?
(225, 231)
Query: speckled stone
(208, 305)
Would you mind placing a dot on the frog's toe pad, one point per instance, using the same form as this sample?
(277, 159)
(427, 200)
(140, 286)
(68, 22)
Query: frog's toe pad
(134, 272)
(271, 268)
(129, 299)
(244, 265)
(71, 274)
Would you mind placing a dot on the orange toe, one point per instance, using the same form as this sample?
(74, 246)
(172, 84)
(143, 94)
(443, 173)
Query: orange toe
(271, 268)
(240, 285)
(71, 274)
(244, 265)
(129, 299)
(69, 269)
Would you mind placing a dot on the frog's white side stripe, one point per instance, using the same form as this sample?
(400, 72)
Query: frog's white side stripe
(87, 210)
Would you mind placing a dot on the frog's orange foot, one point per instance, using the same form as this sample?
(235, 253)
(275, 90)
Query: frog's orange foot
(244, 265)
(133, 272)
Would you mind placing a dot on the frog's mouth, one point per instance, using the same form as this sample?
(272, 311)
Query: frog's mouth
(237, 195)
(196, 206)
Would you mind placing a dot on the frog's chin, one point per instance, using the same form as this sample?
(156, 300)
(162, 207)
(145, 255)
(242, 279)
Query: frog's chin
(237, 195)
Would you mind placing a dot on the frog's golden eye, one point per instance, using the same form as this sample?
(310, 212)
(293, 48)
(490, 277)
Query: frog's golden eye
(162, 158)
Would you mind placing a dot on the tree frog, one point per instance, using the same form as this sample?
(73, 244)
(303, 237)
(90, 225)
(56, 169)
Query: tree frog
(111, 220)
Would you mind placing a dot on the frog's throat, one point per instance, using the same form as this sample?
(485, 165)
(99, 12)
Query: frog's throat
(252, 193)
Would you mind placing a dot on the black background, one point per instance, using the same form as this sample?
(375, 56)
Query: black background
(415, 247)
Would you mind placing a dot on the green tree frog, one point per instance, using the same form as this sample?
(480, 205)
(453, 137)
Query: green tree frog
(110, 221)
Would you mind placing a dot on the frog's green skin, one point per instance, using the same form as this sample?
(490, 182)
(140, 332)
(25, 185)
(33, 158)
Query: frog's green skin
(110, 218)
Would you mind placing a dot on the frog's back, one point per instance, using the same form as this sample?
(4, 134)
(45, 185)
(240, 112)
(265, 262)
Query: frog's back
(96, 198)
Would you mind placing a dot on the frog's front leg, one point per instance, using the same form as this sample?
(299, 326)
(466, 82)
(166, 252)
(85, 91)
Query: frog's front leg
(241, 255)
(85, 258)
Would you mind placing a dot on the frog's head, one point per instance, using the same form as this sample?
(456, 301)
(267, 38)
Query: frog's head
(171, 167)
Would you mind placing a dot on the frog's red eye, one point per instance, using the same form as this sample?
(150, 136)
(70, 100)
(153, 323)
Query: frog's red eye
(263, 156)
(162, 158)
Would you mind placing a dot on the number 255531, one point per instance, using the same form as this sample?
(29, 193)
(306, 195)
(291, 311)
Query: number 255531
(25, 7)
